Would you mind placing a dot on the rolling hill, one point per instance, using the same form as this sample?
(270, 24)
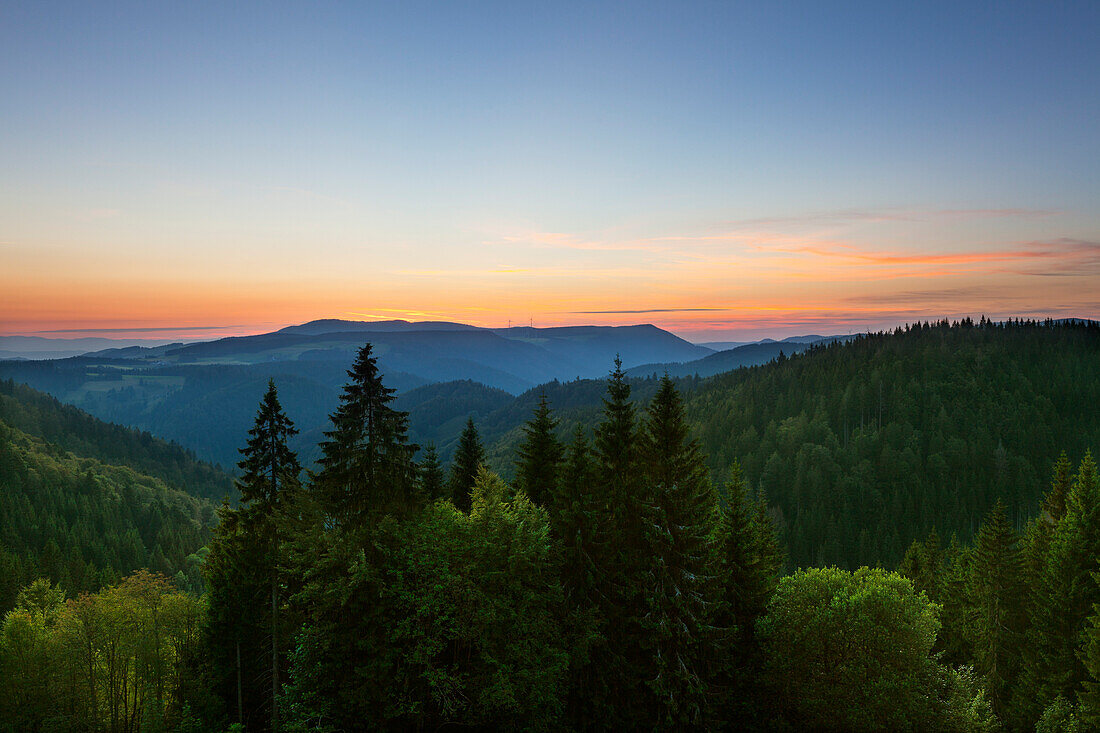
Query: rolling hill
(83, 502)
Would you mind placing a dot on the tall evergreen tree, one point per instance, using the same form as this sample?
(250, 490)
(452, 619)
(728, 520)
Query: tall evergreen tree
(746, 565)
(574, 520)
(1089, 695)
(269, 468)
(923, 564)
(575, 524)
(540, 455)
(619, 511)
(243, 568)
(431, 475)
(1054, 503)
(469, 457)
(996, 606)
(366, 462)
(1035, 551)
(955, 637)
(1069, 589)
(679, 589)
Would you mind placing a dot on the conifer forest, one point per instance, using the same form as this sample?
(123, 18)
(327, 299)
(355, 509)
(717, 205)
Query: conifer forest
(898, 532)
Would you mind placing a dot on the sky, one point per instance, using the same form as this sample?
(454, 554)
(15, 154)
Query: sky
(722, 170)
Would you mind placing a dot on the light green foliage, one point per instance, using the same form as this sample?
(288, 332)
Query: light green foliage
(103, 661)
(1059, 717)
(851, 651)
(967, 708)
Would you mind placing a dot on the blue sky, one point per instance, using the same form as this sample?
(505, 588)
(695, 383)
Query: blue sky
(781, 165)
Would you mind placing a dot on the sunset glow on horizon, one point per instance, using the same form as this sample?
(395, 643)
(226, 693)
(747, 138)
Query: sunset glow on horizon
(203, 171)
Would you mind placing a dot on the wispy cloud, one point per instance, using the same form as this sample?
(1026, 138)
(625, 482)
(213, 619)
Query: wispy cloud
(1068, 252)
(646, 310)
(142, 329)
(846, 216)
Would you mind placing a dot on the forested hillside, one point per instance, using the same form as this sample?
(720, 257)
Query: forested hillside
(611, 584)
(862, 446)
(83, 502)
(83, 523)
(74, 430)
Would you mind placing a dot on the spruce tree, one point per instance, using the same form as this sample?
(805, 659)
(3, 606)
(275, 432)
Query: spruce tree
(540, 456)
(575, 524)
(746, 563)
(468, 460)
(1054, 503)
(1089, 695)
(620, 513)
(955, 636)
(1035, 550)
(996, 606)
(679, 590)
(269, 468)
(431, 475)
(574, 521)
(1069, 589)
(366, 462)
(247, 595)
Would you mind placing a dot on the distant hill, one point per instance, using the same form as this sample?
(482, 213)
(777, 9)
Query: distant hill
(41, 347)
(42, 416)
(74, 511)
(512, 359)
(203, 395)
(723, 345)
(590, 350)
(336, 325)
(724, 361)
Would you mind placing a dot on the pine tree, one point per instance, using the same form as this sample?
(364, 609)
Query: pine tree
(678, 586)
(269, 468)
(540, 456)
(1089, 695)
(747, 562)
(468, 460)
(1069, 589)
(244, 559)
(619, 513)
(574, 521)
(996, 606)
(923, 564)
(431, 475)
(955, 635)
(1054, 503)
(366, 462)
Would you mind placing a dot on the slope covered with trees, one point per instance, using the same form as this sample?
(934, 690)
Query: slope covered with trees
(83, 502)
(614, 585)
(83, 523)
(861, 446)
(72, 429)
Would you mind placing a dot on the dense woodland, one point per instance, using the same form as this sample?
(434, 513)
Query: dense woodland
(859, 445)
(83, 523)
(621, 578)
